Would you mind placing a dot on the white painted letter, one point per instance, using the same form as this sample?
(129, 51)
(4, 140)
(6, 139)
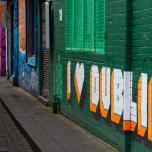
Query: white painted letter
(94, 88)
(69, 80)
(117, 95)
(130, 107)
(142, 104)
(104, 91)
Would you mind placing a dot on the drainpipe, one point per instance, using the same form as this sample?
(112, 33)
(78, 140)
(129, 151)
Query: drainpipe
(16, 43)
(128, 34)
(39, 33)
(128, 60)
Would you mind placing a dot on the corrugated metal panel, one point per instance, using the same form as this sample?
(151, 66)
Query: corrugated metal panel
(88, 24)
(85, 25)
(45, 75)
(45, 52)
(99, 25)
(78, 24)
(69, 24)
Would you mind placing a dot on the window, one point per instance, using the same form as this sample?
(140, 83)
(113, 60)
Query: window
(85, 25)
(46, 26)
(30, 32)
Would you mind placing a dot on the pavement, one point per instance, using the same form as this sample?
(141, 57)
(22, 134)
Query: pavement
(45, 131)
(11, 139)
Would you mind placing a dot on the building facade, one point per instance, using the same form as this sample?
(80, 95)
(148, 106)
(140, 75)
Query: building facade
(93, 57)
(2, 39)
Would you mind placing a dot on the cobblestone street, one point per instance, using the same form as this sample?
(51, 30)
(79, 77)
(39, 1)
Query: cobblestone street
(11, 140)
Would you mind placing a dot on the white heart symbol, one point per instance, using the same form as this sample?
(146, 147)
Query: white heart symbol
(79, 80)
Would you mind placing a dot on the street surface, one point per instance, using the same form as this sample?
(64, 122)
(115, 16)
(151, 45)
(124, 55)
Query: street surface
(48, 132)
(11, 140)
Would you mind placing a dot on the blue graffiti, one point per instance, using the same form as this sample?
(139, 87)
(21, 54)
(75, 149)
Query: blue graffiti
(28, 75)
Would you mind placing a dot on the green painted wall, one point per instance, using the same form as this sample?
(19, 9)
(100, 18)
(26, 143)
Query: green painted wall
(59, 44)
(121, 34)
(141, 52)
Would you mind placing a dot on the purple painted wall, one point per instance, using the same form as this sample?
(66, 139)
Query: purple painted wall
(2, 51)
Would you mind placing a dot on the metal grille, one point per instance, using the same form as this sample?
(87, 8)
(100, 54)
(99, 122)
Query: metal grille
(45, 75)
(99, 24)
(59, 79)
(78, 24)
(88, 24)
(85, 24)
(69, 23)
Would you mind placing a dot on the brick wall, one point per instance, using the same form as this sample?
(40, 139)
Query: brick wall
(141, 52)
(113, 56)
(116, 55)
(2, 9)
(22, 25)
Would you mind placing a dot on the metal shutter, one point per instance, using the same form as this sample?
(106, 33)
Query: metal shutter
(45, 55)
(69, 24)
(78, 24)
(45, 74)
(88, 24)
(99, 25)
(85, 24)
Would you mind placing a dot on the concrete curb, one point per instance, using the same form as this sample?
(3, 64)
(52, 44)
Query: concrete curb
(45, 131)
(34, 146)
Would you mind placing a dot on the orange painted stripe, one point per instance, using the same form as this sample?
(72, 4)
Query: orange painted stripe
(150, 110)
(76, 87)
(104, 112)
(141, 129)
(67, 78)
(129, 125)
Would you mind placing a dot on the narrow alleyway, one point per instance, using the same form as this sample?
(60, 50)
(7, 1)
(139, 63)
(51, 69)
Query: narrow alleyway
(47, 131)
(76, 75)
(11, 140)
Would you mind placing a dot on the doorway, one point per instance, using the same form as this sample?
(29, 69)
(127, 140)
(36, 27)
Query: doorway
(45, 47)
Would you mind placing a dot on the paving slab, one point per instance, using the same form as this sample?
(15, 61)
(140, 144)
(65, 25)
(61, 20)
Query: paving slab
(49, 132)
(11, 139)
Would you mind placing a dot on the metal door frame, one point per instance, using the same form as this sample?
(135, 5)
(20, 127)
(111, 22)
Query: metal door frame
(51, 53)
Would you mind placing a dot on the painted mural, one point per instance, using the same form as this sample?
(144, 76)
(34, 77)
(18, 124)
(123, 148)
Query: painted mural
(2, 51)
(28, 77)
(2, 39)
(111, 90)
